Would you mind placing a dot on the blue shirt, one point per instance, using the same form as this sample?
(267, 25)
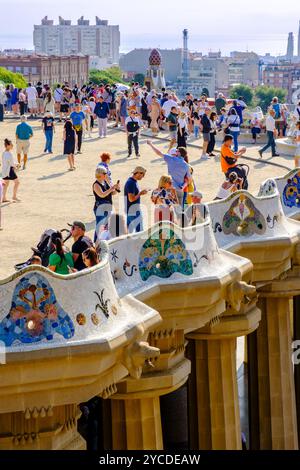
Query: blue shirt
(101, 110)
(131, 187)
(77, 118)
(177, 169)
(24, 131)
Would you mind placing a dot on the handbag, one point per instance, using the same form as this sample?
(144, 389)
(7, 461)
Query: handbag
(230, 160)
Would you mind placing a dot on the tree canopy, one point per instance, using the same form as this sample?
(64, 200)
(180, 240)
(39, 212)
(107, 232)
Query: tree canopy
(7, 77)
(107, 77)
(242, 90)
(264, 95)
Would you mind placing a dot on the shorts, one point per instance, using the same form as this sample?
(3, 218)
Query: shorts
(206, 136)
(12, 175)
(40, 103)
(23, 146)
(32, 104)
(112, 105)
(64, 108)
(173, 134)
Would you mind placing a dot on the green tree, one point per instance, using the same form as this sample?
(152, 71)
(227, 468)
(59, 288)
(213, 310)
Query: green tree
(7, 77)
(139, 78)
(264, 95)
(242, 90)
(108, 76)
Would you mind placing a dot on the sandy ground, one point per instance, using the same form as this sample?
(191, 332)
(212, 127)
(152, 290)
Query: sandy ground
(52, 196)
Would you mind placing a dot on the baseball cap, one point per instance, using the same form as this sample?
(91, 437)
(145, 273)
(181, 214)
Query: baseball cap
(173, 152)
(101, 170)
(139, 169)
(197, 194)
(78, 224)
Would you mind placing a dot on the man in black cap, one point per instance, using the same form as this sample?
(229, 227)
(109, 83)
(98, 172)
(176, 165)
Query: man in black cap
(81, 243)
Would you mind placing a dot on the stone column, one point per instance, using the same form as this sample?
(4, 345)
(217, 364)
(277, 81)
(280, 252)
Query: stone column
(214, 410)
(296, 337)
(136, 424)
(272, 392)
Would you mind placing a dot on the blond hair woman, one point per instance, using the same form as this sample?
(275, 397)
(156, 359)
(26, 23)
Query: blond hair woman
(164, 198)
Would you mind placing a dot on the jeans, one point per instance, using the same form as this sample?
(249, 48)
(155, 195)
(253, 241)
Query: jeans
(196, 131)
(235, 135)
(1, 112)
(270, 143)
(211, 143)
(133, 139)
(49, 139)
(134, 221)
(102, 127)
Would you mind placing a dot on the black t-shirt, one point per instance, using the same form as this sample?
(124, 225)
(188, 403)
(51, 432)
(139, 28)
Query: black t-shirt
(39, 90)
(48, 123)
(78, 248)
(206, 124)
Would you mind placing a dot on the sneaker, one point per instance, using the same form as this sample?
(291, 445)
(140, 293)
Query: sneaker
(129, 155)
(79, 152)
(204, 157)
(276, 155)
(138, 155)
(212, 155)
(260, 153)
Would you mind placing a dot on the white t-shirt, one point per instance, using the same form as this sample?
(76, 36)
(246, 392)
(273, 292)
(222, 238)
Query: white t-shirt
(234, 119)
(58, 93)
(7, 163)
(168, 105)
(270, 124)
(32, 94)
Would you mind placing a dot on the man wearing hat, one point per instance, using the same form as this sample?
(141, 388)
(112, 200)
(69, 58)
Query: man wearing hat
(81, 243)
(133, 195)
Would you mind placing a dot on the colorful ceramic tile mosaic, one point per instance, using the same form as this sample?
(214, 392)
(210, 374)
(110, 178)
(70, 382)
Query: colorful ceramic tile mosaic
(164, 255)
(243, 218)
(291, 192)
(35, 313)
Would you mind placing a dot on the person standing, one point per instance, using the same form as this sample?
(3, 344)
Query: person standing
(220, 103)
(32, 96)
(172, 121)
(271, 133)
(233, 125)
(133, 125)
(69, 138)
(105, 158)
(40, 98)
(213, 132)
(178, 169)
(49, 104)
(58, 93)
(297, 141)
(206, 128)
(133, 195)
(77, 117)
(102, 113)
(9, 172)
(3, 100)
(103, 193)
(48, 126)
(24, 133)
(22, 102)
(154, 112)
(123, 109)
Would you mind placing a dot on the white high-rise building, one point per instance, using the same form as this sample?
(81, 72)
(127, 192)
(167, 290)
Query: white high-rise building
(100, 40)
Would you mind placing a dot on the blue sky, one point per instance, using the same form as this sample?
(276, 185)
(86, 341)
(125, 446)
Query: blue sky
(254, 25)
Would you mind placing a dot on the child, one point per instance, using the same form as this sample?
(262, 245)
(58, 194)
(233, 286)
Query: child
(196, 124)
(9, 171)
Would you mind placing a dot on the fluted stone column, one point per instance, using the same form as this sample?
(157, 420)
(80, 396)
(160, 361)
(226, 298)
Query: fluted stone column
(272, 392)
(216, 404)
(136, 424)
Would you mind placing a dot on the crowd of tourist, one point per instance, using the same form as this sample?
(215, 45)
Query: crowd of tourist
(176, 197)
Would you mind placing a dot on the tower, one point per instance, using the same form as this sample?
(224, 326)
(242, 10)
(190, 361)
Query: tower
(185, 62)
(290, 47)
(155, 76)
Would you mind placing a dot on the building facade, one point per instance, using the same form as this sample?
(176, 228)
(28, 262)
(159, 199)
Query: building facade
(49, 69)
(101, 40)
(282, 75)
